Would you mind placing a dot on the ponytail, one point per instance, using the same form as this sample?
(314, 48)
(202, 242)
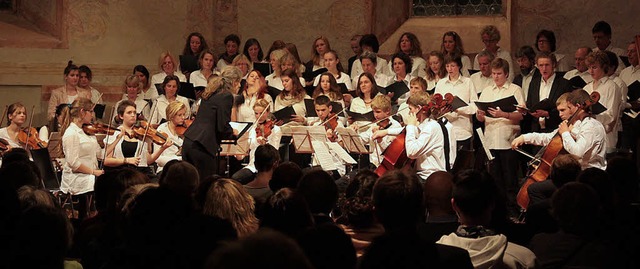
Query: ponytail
(72, 111)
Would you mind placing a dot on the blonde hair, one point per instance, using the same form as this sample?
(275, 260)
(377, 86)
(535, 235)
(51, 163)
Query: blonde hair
(132, 80)
(277, 54)
(228, 76)
(72, 112)
(288, 57)
(228, 200)
(492, 32)
(420, 81)
(166, 54)
(241, 58)
(261, 103)
(173, 108)
(315, 57)
(381, 101)
(419, 99)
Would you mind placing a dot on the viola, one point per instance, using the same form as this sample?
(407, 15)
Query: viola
(4, 145)
(98, 128)
(29, 137)
(264, 129)
(143, 129)
(540, 166)
(182, 128)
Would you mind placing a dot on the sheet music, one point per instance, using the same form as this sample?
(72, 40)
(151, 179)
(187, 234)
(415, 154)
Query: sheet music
(351, 140)
(342, 154)
(482, 141)
(632, 114)
(322, 155)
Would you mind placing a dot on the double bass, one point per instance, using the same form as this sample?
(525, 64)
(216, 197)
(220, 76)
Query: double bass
(395, 155)
(540, 165)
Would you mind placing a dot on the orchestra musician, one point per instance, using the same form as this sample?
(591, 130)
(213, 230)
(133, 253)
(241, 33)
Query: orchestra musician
(202, 139)
(16, 117)
(329, 87)
(322, 105)
(416, 85)
(176, 113)
(264, 132)
(125, 148)
(69, 92)
(382, 134)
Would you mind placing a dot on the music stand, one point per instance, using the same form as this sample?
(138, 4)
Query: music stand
(48, 176)
(238, 146)
(352, 141)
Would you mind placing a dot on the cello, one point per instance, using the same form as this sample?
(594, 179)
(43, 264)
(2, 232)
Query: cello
(540, 165)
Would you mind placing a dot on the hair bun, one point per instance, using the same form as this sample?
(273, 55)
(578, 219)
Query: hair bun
(70, 63)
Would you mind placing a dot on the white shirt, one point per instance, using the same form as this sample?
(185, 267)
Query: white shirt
(431, 83)
(359, 106)
(526, 80)
(466, 65)
(170, 153)
(159, 108)
(198, 79)
(609, 98)
(418, 66)
(377, 148)
(460, 119)
(545, 86)
(381, 67)
(151, 93)
(276, 82)
(298, 107)
(79, 149)
(586, 141)
(481, 82)
(499, 132)
(563, 63)
(630, 75)
(245, 110)
(500, 54)
(5, 135)
(159, 78)
(425, 144)
(382, 80)
(96, 98)
(343, 78)
(273, 139)
(584, 75)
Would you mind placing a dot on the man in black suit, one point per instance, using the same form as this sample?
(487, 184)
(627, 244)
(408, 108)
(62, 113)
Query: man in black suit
(544, 116)
(398, 205)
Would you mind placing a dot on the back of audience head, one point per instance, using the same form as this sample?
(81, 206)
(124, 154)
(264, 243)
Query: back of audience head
(319, 190)
(266, 158)
(564, 169)
(14, 155)
(286, 211)
(624, 173)
(286, 175)
(438, 190)
(398, 200)
(266, 248)
(601, 183)
(227, 199)
(328, 246)
(181, 177)
(357, 206)
(19, 173)
(30, 196)
(576, 209)
(474, 197)
(109, 188)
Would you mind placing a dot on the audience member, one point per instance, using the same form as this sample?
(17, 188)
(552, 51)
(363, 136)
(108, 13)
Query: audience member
(287, 212)
(321, 193)
(266, 160)
(328, 247)
(228, 200)
(286, 175)
(440, 219)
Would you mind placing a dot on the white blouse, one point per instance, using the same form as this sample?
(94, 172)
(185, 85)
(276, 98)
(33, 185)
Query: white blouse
(344, 78)
(5, 135)
(159, 78)
(245, 110)
(499, 132)
(461, 119)
(159, 108)
(79, 149)
(171, 153)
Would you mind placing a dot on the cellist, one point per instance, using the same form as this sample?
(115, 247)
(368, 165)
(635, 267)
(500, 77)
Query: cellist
(584, 137)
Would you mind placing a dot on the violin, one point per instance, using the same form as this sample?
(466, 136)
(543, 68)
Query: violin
(331, 124)
(98, 128)
(29, 137)
(182, 128)
(143, 129)
(4, 145)
(264, 129)
(540, 165)
(384, 124)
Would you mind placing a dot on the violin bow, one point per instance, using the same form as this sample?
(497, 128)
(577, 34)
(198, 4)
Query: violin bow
(26, 145)
(106, 143)
(333, 117)
(146, 130)
(383, 119)
(255, 123)
(3, 115)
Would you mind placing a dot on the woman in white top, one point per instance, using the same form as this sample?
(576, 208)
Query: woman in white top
(243, 63)
(16, 117)
(124, 149)
(176, 112)
(170, 86)
(366, 91)
(81, 151)
(273, 79)
(369, 62)
(292, 95)
(231, 45)
(200, 77)
(546, 42)
(436, 70)
(169, 66)
(149, 91)
(463, 88)
(318, 49)
(84, 82)
(490, 37)
(255, 89)
(452, 46)
(370, 43)
(334, 67)
(402, 68)
(132, 91)
(287, 61)
(410, 45)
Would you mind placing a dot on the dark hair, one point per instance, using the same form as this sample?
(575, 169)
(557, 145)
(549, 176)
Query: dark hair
(298, 91)
(624, 173)
(603, 27)
(438, 190)
(550, 36)
(322, 100)
(334, 92)
(600, 181)
(232, 37)
(408, 62)
(286, 211)
(374, 86)
(14, 155)
(453, 59)
(474, 192)
(266, 156)
(70, 67)
(575, 207)
(12, 108)
(398, 199)
(564, 169)
(499, 63)
(85, 69)
(123, 106)
(526, 51)
(187, 45)
(250, 42)
(370, 40)
(320, 191)
(286, 175)
(613, 60)
(547, 55)
(109, 188)
(459, 49)
(328, 247)
(416, 50)
(181, 177)
(442, 72)
(20, 172)
(357, 206)
(170, 78)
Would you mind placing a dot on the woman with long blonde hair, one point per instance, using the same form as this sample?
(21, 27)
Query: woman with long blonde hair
(227, 199)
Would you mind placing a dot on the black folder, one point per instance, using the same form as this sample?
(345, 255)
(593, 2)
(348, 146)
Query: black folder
(507, 104)
(473, 71)
(99, 110)
(544, 104)
(457, 103)
(398, 89)
(345, 90)
(625, 60)
(188, 63)
(263, 68)
(560, 74)
(187, 90)
(577, 82)
(310, 76)
(361, 117)
(634, 91)
(273, 92)
(159, 88)
(432, 91)
(310, 89)
(597, 108)
(284, 114)
(311, 107)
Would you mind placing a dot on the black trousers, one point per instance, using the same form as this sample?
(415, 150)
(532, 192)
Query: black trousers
(504, 170)
(195, 154)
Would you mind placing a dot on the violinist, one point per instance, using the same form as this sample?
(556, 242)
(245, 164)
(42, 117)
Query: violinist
(265, 132)
(81, 151)
(323, 108)
(584, 137)
(125, 149)
(329, 87)
(132, 88)
(415, 85)
(425, 140)
(16, 117)
(176, 112)
(382, 134)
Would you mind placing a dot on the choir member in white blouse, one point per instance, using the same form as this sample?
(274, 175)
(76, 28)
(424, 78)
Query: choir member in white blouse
(194, 45)
(334, 67)
(16, 116)
(490, 37)
(170, 85)
(231, 45)
(293, 95)
(435, 71)
(483, 79)
(273, 79)
(169, 66)
(369, 62)
(402, 65)
(318, 49)
(149, 91)
(367, 89)
(410, 45)
(132, 88)
(176, 112)
(253, 50)
(370, 43)
(244, 64)
(452, 45)
(206, 61)
(546, 42)
(255, 89)
(81, 151)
